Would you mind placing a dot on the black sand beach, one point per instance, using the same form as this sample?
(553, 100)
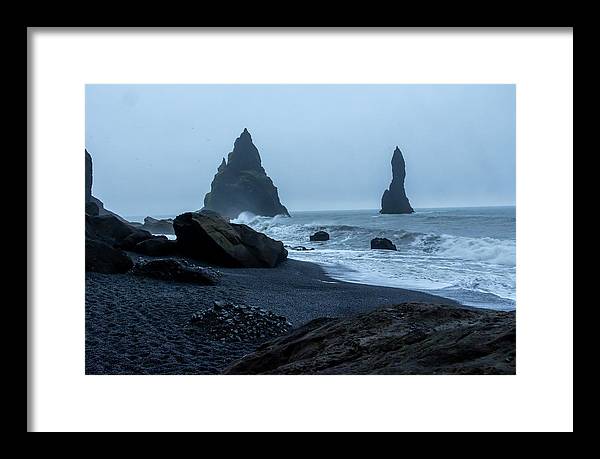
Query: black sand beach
(136, 325)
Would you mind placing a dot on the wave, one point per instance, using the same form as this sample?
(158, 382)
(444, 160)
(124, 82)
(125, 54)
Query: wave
(486, 249)
(350, 237)
(476, 270)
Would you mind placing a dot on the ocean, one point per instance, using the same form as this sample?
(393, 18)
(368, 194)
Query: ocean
(466, 254)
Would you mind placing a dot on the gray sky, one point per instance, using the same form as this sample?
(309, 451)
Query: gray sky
(156, 148)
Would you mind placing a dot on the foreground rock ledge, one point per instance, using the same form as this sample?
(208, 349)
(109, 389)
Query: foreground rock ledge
(410, 338)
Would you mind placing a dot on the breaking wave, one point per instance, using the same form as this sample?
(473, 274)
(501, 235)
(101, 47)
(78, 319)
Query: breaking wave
(471, 259)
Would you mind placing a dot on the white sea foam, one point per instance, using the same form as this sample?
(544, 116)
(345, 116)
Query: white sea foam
(468, 256)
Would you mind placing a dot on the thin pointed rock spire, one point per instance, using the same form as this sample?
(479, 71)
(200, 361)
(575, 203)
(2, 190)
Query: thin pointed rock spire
(394, 200)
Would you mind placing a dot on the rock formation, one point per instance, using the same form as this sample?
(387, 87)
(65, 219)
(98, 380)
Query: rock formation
(410, 338)
(93, 205)
(175, 271)
(394, 200)
(88, 177)
(156, 247)
(106, 238)
(382, 243)
(103, 258)
(229, 322)
(208, 237)
(319, 236)
(241, 184)
(154, 225)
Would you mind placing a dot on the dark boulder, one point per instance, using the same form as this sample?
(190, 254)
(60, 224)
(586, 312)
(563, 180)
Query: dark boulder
(156, 247)
(299, 248)
(154, 225)
(114, 231)
(394, 200)
(103, 258)
(241, 184)
(136, 237)
(210, 238)
(382, 243)
(320, 236)
(175, 271)
(410, 338)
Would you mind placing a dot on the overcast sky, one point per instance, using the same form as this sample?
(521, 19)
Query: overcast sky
(156, 148)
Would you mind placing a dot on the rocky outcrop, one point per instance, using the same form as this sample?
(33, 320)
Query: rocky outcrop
(320, 236)
(107, 235)
(210, 238)
(156, 247)
(230, 322)
(91, 208)
(241, 184)
(394, 200)
(101, 257)
(88, 177)
(109, 229)
(93, 205)
(106, 238)
(175, 271)
(298, 248)
(382, 243)
(156, 226)
(410, 338)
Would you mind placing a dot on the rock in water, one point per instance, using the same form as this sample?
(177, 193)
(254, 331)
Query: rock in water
(320, 236)
(394, 200)
(154, 225)
(210, 238)
(241, 184)
(382, 243)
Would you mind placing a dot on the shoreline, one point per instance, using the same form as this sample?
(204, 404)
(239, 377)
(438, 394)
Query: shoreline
(136, 325)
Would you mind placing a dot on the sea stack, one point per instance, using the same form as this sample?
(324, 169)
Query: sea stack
(394, 200)
(241, 184)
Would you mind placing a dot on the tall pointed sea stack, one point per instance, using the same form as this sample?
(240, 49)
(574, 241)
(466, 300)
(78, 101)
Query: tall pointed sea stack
(241, 184)
(394, 200)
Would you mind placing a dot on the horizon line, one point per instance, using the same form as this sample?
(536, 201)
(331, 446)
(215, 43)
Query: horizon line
(158, 214)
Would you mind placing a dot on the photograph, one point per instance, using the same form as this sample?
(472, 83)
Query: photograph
(300, 229)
